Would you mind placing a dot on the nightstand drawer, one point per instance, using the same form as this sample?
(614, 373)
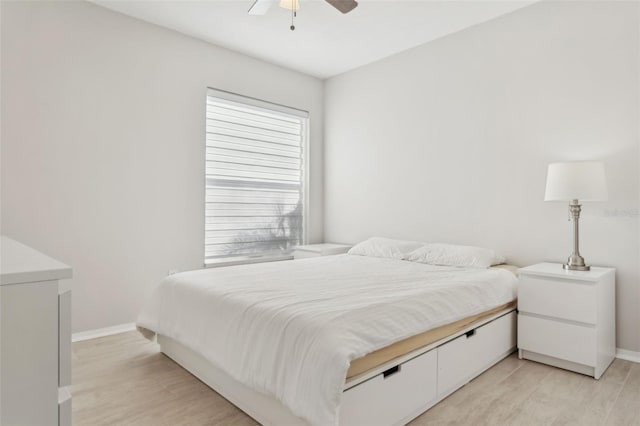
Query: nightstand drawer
(571, 300)
(571, 342)
(302, 254)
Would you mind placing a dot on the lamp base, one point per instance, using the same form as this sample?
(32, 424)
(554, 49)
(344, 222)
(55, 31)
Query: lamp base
(576, 267)
(575, 262)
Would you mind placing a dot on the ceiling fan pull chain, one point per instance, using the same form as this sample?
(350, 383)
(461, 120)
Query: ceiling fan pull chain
(293, 15)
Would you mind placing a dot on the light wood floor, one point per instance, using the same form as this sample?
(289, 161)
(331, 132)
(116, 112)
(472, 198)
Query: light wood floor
(125, 380)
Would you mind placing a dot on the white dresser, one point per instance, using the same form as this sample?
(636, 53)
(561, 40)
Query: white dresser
(567, 318)
(35, 337)
(321, 249)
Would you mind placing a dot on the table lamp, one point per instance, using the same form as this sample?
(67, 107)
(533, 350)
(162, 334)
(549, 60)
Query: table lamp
(575, 182)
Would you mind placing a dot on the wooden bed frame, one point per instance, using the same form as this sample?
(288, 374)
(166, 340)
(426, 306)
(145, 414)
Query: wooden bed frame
(393, 393)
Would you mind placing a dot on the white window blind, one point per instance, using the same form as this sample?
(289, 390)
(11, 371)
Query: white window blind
(254, 201)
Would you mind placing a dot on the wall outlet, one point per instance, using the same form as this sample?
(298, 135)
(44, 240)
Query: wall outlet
(172, 271)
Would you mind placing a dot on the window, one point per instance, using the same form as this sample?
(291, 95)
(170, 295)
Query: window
(255, 195)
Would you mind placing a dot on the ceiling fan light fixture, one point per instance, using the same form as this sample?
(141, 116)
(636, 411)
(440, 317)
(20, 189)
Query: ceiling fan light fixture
(290, 4)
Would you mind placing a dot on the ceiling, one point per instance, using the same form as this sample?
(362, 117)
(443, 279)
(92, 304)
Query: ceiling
(325, 42)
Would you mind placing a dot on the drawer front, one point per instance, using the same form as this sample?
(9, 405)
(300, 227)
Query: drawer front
(557, 298)
(303, 254)
(571, 342)
(64, 339)
(29, 353)
(64, 413)
(462, 358)
(387, 399)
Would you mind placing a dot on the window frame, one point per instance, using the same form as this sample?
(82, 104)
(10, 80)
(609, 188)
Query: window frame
(305, 157)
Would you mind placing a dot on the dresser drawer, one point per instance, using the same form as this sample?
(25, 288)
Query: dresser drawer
(64, 338)
(571, 300)
(64, 407)
(392, 396)
(571, 342)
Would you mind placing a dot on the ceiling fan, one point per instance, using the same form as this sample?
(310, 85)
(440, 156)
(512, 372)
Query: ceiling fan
(260, 7)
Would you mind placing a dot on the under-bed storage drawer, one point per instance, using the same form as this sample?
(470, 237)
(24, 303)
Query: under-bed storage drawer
(464, 357)
(393, 395)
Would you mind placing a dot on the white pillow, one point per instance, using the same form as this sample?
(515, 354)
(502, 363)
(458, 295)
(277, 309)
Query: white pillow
(385, 247)
(455, 255)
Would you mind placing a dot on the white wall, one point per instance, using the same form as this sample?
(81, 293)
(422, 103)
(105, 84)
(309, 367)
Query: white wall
(103, 121)
(450, 141)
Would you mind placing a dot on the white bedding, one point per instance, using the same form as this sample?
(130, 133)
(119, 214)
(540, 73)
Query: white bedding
(290, 329)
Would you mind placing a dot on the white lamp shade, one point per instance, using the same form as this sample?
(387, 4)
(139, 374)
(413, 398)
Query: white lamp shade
(581, 180)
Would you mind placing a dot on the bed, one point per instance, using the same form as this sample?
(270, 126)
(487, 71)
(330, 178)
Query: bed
(344, 339)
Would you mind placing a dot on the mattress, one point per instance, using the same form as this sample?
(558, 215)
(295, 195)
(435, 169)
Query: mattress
(403, 347)
(292, 329)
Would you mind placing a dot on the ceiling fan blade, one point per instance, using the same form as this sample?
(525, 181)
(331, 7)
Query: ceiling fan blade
(344, 6)
(260, 7)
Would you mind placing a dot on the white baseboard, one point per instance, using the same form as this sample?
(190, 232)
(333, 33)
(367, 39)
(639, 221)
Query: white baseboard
(628, 355)
(102, 332)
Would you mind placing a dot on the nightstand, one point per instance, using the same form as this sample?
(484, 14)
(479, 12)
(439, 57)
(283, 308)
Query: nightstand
(316, 250)
(567, 318)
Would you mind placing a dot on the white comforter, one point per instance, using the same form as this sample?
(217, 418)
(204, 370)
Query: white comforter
(290, 329)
